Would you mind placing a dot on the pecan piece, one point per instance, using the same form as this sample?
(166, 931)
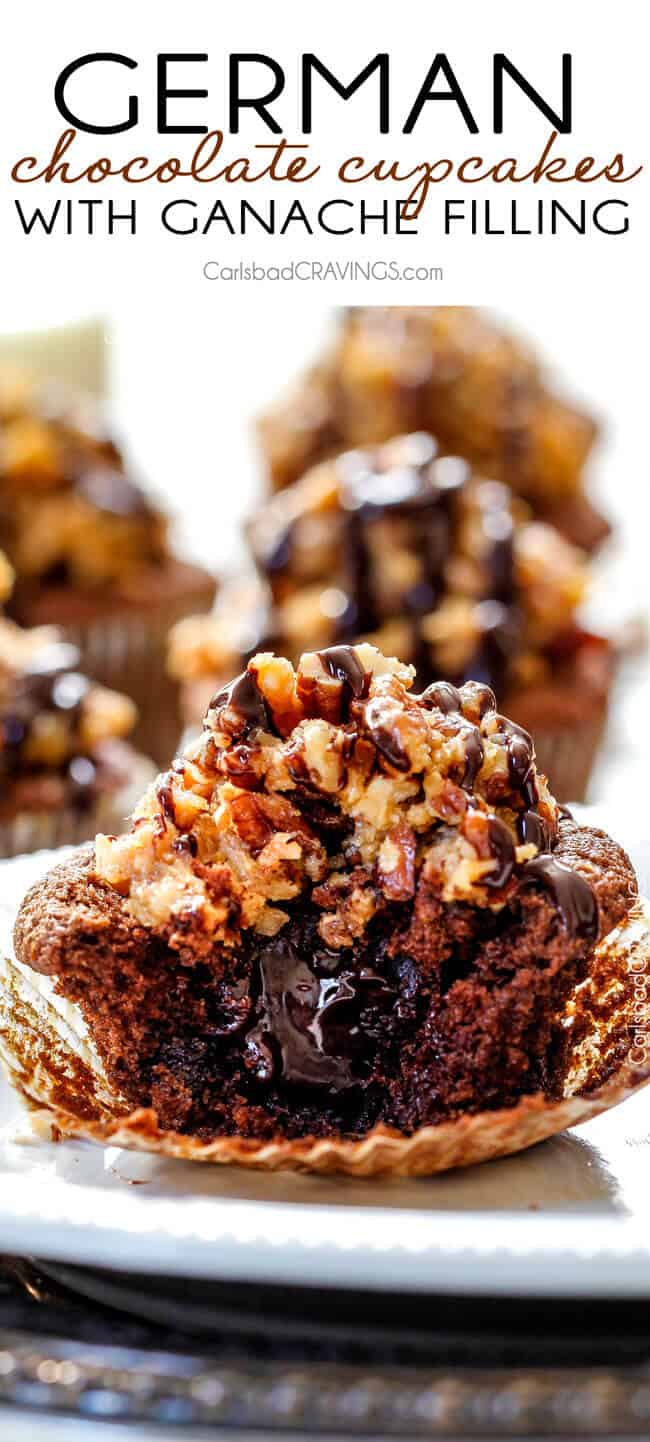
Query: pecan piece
(244, 766)
(396, 863)
(251, 825)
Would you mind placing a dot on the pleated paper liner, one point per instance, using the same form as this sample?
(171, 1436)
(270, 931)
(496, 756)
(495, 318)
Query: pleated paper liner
(567, 755)
(30, 831)
(129, 654)
(51, 1061)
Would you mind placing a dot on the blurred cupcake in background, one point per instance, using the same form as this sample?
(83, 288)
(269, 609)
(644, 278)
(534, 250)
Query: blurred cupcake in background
(452, 371)
(416, 552)
(67, 768)
(90, 550)
(205, 650)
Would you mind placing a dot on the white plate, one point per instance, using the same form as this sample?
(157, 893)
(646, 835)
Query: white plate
(571, 1216)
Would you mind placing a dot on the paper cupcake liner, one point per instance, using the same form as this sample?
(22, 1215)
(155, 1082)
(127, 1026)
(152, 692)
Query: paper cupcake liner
(566, 756)
(69, 826)
(129, 653)
(49, 1059)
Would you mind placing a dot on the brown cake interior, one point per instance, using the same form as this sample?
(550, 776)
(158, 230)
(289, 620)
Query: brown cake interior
(381, 919)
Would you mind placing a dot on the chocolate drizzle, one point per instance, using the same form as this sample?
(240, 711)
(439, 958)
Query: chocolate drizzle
(502, 849)
(474, 756)
(385, 737)
(571, 892)
(343, 664)
(277, 556)
(534, 830)
(409, 481)
(308, 1032)
(441, 696)
(406, 479)
(521, 767)
(245, 699)
(520, 753)
(498, 614)
(498, 638)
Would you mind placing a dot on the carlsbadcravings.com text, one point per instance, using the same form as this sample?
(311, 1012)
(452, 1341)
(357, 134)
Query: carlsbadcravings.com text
(322, 270)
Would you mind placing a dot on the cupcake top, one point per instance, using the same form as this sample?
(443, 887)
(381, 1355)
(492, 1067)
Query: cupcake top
(69, 511)
(452, 370)
(413, 551)
(338, 781)
(57, 729)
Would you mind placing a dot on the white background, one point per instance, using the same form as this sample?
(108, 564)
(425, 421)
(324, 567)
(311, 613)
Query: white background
(191, 361)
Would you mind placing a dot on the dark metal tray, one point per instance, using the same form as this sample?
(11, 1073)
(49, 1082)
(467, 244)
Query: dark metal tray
(173, 1354)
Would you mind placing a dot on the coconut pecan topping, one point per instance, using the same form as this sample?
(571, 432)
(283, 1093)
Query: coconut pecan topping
(302, 778)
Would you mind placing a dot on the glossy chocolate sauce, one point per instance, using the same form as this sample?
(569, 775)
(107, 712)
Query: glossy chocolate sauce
(502, 849)
(572, 894)
(521, 757)
(474, 757)
(410, 481)
(309, 1028)
(343, 664)
(498, 615)
(534, 830)
(245, 699)
(49, 682)
(441, 696)
(570, 891)
(413, 483)
(386, 738)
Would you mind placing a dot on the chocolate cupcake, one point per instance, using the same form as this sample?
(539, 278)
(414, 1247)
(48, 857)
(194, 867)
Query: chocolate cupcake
(349, 930)
(66, 765)
(90, 551)
(416, 552)
(453, 371)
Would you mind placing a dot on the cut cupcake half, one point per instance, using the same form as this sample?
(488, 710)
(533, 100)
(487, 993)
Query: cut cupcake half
(350, 930)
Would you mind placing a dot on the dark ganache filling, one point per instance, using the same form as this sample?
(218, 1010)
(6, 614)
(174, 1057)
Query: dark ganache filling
(311, 1025)
(321, 1019)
